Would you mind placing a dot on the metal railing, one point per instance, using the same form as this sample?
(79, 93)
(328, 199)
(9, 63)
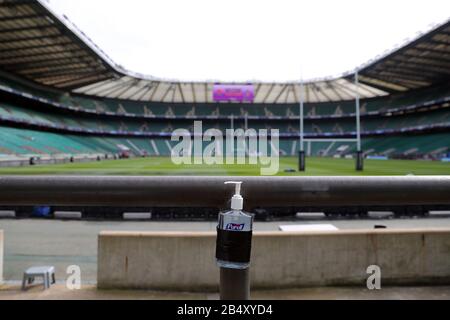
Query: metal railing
(211, 192)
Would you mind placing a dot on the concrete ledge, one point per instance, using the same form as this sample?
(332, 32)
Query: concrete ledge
(137, 215)
(1, 256)
(69, 215)
(185, 261)
(7, 214)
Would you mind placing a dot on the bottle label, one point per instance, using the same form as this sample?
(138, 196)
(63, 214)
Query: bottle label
(235, 227)
(233, 248)
(235, 222)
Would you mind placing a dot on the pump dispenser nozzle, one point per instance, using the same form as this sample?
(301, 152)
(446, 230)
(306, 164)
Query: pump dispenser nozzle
(237, 202)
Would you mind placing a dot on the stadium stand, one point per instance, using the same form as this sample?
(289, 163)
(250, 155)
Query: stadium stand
(391, 117)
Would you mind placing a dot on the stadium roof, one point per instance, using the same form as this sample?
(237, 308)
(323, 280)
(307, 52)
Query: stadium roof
(41, 46)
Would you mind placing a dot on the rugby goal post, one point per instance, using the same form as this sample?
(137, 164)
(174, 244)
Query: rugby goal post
(357, 139)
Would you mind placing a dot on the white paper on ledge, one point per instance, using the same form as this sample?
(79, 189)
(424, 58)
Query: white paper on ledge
(308, 227)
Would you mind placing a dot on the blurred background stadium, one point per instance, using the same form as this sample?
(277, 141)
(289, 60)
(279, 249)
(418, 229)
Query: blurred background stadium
(63, 100)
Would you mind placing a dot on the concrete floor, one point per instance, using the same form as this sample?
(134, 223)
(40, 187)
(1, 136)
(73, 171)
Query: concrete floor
(89, 292)
(61, 244)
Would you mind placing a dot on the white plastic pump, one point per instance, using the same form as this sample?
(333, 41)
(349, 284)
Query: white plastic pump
(237, 202)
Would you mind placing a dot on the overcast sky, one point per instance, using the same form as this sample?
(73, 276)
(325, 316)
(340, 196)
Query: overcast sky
(239, 40)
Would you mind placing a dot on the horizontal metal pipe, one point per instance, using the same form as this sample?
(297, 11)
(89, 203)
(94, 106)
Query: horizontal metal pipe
(211, 192)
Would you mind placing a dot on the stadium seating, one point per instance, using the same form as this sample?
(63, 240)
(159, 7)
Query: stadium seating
(22, 142)
(44, 127)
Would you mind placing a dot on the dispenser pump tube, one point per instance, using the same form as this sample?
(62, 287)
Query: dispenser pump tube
(237, 202)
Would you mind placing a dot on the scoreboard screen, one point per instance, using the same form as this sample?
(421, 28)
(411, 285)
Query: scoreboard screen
(233, 93)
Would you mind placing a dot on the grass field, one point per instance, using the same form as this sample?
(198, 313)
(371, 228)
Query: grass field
(164, 166)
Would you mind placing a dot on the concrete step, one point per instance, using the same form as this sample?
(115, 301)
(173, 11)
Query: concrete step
(380, 214)
(440, 213)
(69, 215)
(7, 214)
(310, 215)
(137, 215)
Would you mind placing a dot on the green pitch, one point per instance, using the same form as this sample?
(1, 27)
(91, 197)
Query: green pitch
(164, 166)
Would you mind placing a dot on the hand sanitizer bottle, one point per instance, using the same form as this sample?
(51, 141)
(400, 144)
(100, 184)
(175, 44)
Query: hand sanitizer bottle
(234, 234)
